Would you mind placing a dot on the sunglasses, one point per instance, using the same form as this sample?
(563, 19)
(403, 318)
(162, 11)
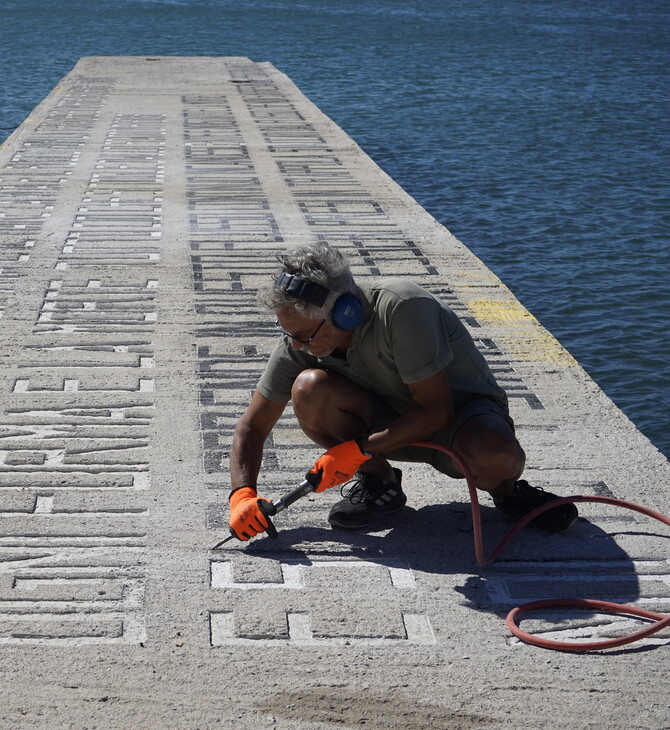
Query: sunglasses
(300, 339)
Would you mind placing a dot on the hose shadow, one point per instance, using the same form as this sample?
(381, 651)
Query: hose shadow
(584, 562)
(438, 538)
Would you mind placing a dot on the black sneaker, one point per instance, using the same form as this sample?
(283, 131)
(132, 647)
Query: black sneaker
(367, 499)
(524, 499)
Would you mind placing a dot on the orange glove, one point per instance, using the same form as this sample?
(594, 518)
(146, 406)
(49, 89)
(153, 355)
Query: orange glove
(336, 466)
(247, 518)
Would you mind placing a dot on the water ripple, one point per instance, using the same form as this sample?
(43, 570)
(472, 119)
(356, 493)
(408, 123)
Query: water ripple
(536, 132)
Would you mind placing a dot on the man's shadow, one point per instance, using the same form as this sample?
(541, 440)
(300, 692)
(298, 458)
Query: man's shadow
(432, 539)
(584, 562)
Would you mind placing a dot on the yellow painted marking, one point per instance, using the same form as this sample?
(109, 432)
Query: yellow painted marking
(536, 345)
(494, 311)
(524, 337)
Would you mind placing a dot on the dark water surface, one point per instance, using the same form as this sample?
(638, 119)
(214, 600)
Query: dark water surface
(537, 132)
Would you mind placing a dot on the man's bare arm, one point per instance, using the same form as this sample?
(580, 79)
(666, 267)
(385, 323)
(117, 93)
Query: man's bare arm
(251, 432)
(432, 409)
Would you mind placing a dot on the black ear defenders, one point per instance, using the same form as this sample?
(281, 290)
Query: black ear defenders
(347, 312)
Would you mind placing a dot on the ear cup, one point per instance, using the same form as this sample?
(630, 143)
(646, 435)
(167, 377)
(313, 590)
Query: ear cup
(347, 312)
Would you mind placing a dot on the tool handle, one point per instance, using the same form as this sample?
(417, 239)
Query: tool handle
(268, 509)
(294, 495)
(272, 508)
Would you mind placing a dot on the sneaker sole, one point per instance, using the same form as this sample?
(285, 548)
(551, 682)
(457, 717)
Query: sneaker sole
(537, 526)
(362, 526)
(567, 527)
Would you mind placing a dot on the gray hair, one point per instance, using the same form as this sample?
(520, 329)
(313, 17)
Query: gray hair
(319, 263)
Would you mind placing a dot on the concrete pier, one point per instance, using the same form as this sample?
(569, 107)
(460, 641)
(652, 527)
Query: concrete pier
(142, 203)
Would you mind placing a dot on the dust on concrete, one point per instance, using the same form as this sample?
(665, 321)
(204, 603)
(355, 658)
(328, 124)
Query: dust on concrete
(351, 708)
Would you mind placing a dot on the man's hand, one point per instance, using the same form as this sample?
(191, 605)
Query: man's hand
(246, 516)
(336, 466)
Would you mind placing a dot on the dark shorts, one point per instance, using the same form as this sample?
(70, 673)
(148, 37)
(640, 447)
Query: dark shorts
(383, 414)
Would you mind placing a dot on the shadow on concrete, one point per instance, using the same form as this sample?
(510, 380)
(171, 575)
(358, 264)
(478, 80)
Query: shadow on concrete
(434, 539)
(585, 562)
(439, 539)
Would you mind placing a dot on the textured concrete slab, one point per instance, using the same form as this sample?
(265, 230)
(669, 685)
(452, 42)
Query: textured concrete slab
(141, 206)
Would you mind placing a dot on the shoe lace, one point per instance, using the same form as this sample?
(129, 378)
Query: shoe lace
(355, 490)
(531, 492)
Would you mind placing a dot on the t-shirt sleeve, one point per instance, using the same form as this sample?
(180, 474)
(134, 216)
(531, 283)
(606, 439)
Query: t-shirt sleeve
(283, 367)
(419, 333)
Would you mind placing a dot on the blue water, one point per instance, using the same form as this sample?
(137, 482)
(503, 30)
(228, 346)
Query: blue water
(536, 130)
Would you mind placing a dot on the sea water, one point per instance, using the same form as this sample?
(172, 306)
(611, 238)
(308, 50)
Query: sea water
(536, 130)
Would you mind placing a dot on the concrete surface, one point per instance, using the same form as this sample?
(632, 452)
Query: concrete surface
(141, 205)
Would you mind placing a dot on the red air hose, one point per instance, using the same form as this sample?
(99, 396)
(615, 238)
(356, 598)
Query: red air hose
(661, 620)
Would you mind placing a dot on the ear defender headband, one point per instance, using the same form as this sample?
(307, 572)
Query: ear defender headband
(347, 312)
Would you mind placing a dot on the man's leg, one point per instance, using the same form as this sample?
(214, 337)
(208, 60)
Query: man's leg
(490, 449)
(331, 409)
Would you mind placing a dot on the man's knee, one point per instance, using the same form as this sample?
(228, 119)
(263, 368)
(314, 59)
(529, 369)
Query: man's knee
(308, 385)
(490, 442)
(503, 453)
(330, 408)
(320, 391)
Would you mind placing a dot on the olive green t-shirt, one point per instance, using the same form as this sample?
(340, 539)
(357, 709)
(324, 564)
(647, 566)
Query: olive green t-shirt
(406, 336)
